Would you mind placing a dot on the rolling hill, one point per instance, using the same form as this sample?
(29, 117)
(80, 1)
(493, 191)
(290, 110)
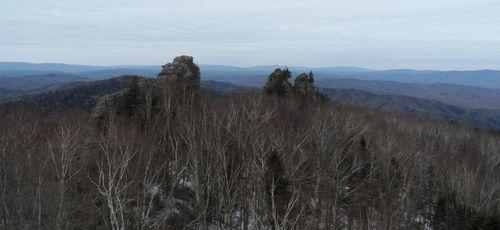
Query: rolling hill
(479, 118)
(454, 96)
(457, 95)
(250, 76)
(9, 93)
(15, 86)
(84, 95)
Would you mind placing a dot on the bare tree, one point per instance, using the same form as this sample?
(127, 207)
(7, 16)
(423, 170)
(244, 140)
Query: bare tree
(66, 155)
(115, 154)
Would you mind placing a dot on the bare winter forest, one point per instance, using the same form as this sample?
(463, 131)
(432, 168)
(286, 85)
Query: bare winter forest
(284, 158)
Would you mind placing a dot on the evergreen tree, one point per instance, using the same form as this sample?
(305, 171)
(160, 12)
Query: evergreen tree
(132, 98)
(277, 83)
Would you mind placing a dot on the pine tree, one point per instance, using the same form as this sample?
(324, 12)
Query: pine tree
(277, 83)
(132, 98)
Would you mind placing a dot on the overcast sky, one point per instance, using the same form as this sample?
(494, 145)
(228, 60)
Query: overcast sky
(382, 34)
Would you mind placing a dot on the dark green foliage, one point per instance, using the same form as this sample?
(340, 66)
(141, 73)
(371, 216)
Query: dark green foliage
(132, 98)
(318, 96)
(311, 76)
(277, 83)
(303, 87)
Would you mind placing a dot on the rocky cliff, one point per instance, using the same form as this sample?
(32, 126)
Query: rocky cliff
(177, 83)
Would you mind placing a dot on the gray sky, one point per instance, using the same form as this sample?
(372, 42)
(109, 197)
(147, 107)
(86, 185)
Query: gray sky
(421, 34)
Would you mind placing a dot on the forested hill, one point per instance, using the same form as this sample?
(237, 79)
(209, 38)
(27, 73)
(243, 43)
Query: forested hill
(84, 95)
(75, 95)
(480, 118)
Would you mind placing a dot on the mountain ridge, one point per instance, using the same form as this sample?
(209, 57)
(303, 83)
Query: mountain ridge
(85, 94)
(471, 97)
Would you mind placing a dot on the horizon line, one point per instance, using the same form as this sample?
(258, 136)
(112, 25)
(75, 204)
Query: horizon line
(255, 66)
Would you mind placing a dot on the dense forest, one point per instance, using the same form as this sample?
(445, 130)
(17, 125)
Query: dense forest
(162, 155)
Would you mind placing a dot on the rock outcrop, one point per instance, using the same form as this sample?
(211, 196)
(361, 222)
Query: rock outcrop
(101, 111)
(178, 83)
(129, 103)
(181, 78)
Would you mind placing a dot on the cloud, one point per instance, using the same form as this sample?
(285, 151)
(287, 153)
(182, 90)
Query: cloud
(370, 33)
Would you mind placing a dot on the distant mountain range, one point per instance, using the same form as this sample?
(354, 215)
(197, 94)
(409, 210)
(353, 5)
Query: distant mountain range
(13, 86)
(479, 118)
(255, 76)
(479, 78)
(84, 95)
(458, 95)
(471, 97)
(16, 69)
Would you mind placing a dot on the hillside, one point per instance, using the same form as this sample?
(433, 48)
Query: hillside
(33, 83)
(457, 95)
(9, 93)
(478, 78)
(119, 71)
(82, 95)
(448, 102)
(480, 118)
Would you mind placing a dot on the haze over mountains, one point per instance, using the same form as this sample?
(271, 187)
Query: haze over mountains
(480, 78)
(460, 96)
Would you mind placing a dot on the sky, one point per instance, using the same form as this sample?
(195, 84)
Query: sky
(379, 34)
